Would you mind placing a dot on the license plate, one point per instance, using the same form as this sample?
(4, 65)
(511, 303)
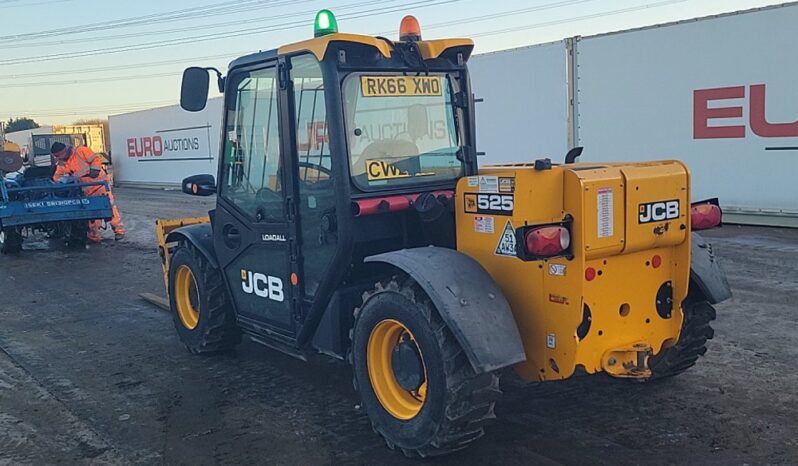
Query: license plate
(397, 86)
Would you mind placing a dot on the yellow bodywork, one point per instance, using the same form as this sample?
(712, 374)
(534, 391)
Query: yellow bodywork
(429, 49)
(162, 229)
(549, 297)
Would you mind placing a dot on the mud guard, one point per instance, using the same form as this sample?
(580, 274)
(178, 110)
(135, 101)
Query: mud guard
(469, 301)
(200, 236)
(706, 273)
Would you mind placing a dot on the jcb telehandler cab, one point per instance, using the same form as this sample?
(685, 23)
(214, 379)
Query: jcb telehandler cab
(352, 220)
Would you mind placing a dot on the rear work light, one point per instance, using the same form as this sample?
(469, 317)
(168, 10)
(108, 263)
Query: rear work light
(705, 216)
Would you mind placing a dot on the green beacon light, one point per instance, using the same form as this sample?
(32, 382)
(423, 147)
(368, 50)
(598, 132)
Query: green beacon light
(325, 23)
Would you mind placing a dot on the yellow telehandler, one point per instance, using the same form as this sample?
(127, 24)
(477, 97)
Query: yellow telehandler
(352, 220)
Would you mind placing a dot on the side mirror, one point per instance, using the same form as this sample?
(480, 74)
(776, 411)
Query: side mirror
(194, 89)
(199, 185)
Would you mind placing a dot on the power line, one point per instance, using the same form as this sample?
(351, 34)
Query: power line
(223, 8)
(579, 18)
(475, 19)
(485, 33)
(209, 37)
(92, 80)
(232, 55)
(77, 111)
(238, 22)
(132, 66)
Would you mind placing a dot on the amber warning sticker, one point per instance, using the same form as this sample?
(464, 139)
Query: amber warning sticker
(382, 170)
(397, 86)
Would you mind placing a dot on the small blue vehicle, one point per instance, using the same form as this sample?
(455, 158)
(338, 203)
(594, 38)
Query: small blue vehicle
(31, 201)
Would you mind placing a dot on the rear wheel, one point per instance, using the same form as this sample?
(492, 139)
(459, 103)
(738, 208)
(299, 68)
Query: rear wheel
(10, 241)
(692, 344)
(415, 381)
(201, 309)
(75, 235)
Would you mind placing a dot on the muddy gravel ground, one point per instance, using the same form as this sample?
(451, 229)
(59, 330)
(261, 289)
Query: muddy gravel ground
(91, 374)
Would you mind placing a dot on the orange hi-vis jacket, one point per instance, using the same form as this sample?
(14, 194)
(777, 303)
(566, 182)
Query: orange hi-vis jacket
(79, 164)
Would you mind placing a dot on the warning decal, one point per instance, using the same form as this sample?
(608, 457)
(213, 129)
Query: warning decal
(506, 246)
(605, 212)
(483, 224)
(489, 184)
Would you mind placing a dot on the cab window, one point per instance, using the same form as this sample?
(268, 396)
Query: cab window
(250, 176)
(401, 130)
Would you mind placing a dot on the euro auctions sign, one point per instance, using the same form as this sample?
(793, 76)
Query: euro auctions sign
(155, 146)
(713, 110)
(172, 144)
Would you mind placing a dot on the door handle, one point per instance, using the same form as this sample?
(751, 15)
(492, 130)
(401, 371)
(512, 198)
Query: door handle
(232, 237)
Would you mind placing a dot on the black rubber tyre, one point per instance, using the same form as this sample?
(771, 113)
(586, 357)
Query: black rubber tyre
(458, 403)
(692, 344)
(10, 241)
(215, 329)
(76, 235)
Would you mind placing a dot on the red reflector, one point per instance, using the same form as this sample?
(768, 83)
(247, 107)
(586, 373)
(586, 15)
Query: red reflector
(590, 274)
(704, 216)
(547, 241)
(656, 261)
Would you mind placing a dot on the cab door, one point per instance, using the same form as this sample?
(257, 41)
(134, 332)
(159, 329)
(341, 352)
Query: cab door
(254, 220)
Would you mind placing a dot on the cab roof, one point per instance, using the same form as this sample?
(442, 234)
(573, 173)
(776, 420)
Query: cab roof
(430, 49)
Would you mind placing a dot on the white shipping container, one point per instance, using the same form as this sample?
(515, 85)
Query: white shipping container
(162, 146)
(719, 93)
(524, 112)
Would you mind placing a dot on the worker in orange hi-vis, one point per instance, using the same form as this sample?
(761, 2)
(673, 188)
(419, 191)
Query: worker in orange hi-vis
(83, 165)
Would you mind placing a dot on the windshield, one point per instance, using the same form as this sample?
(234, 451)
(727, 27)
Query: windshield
(401, 130)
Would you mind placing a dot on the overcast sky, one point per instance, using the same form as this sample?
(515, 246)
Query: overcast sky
(63, 60)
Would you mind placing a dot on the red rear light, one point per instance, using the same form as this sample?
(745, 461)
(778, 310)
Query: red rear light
(704, 216)
(547, 241)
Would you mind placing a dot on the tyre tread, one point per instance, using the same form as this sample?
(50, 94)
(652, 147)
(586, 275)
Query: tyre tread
(692, 344)
(470, 397)
(221, 333)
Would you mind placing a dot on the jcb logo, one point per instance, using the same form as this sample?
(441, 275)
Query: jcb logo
(658, 211)
(261, 285)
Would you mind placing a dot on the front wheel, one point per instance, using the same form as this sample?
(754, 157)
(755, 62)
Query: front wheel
(415, 381)
(201, 309)
(10, 241)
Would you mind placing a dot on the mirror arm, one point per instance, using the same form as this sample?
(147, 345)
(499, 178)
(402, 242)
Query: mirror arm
(220, 80)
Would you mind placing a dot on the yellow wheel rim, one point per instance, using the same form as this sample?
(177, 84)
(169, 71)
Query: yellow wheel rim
(400, 403)
(187, 297)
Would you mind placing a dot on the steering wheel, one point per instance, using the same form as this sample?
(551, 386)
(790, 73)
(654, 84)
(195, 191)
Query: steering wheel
(314, 166)
(267, 195)
(321, 169)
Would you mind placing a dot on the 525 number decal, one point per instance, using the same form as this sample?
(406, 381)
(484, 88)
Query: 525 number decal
(494, 204)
